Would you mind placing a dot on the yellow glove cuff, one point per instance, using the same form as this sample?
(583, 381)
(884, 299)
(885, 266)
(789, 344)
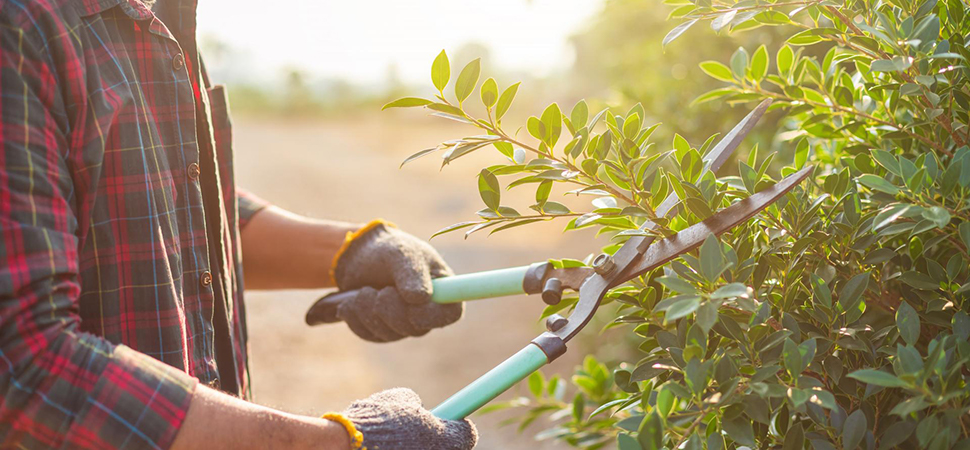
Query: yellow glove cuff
(350, 237)
(356, 437)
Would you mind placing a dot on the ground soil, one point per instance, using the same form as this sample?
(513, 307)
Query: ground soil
(347, 169)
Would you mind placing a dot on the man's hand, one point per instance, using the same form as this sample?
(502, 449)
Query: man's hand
(394, 419)
(393, 272)
(282, 250)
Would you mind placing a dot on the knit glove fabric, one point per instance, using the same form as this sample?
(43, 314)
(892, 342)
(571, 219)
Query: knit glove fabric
(392, 272)
(395, 420)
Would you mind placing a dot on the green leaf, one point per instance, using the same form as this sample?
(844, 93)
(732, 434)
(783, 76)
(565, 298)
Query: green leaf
(877, 183)
(417, 155)
(440, 71)
(939, 216)
(505, 100)
(907, 321)
(468, 79)
(739, 63)
(407, 102)
(542, 192)
(456, 226)
(707, 315)
(489, 189)
(877, 378)
(919, 280)
(852, 290)
(626, 442)
(759, 64)
(677, 285)
(879, 255)
(579, 407)
(961, 325)
(651, 432)
(489, 92)
(712, 260)
(730, 291)
(823, 398)
(801, 153)
(898, 63)
(537, 383)
(794, 438)
(739, 430)
(749, 177)
(555, 208)
(785, 59)
(724, 19)
(717, 71)
(854, 430)
(887, 160)
(682, 308)
(909, 406)
(821, 291)
(965, 233)
(631, 126)
(715, 441)
(677, 31)
(665, 401)
(580, 115)
(681, 146)
(552, 119)
(792, 358)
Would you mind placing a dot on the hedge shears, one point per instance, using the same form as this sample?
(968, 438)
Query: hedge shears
(638, 255)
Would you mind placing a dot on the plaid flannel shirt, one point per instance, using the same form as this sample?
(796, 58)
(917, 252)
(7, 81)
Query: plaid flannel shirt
(120, 274)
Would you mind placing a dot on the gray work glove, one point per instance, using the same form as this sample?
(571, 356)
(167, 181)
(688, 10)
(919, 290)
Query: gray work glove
(395, 420)
(392, 271)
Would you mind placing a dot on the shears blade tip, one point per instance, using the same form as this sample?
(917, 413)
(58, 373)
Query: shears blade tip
(720, 153)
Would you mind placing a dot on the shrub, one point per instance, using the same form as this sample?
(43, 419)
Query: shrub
(835, 319)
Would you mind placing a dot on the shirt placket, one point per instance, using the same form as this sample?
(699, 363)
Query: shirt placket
(199, 281)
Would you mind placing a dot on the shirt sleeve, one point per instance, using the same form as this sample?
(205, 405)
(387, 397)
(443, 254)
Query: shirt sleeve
(249, 205)
(59, 387)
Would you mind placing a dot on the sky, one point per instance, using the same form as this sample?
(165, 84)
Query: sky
(359, 40)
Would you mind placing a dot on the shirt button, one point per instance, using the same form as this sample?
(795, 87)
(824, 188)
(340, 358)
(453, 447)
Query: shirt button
(178, 62)
(206, 278)
(194, 171)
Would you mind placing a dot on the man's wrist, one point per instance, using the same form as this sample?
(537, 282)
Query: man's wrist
(335, 433)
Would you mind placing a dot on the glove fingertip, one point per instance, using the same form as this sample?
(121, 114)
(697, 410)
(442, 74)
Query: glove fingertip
(349, 316)
(415, 292)
(463, 432)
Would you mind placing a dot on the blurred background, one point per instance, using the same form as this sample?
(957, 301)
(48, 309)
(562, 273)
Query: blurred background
(306, 81)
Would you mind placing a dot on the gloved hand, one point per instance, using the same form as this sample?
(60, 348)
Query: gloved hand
(395, 420)
(392, 271)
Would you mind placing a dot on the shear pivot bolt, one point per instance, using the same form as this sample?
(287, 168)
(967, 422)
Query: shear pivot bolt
(552, 291)
(555, 322)
(603, 264)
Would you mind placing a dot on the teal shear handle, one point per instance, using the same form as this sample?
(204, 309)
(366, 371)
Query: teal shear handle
(453, 289)
(479, 285)
(492, 384)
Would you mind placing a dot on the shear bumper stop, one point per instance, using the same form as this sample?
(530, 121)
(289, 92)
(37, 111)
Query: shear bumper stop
(550, 344)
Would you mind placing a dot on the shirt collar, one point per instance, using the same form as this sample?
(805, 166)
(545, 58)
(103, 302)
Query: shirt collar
(133, 8)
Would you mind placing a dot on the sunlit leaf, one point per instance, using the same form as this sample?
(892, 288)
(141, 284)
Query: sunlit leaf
(440, 71)
(468, 79)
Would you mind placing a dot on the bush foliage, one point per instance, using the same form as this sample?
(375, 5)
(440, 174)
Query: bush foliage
(835, 319)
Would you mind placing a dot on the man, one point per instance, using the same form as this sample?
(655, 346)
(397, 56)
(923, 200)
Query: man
(121, 242)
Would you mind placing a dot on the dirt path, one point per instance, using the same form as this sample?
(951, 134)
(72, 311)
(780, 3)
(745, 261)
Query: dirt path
(348, 169)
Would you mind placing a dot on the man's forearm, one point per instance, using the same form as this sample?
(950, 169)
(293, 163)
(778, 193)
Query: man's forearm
(219, 421)
(282, 250)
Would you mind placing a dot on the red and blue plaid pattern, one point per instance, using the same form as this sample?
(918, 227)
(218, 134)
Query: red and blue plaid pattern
(119, 225)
